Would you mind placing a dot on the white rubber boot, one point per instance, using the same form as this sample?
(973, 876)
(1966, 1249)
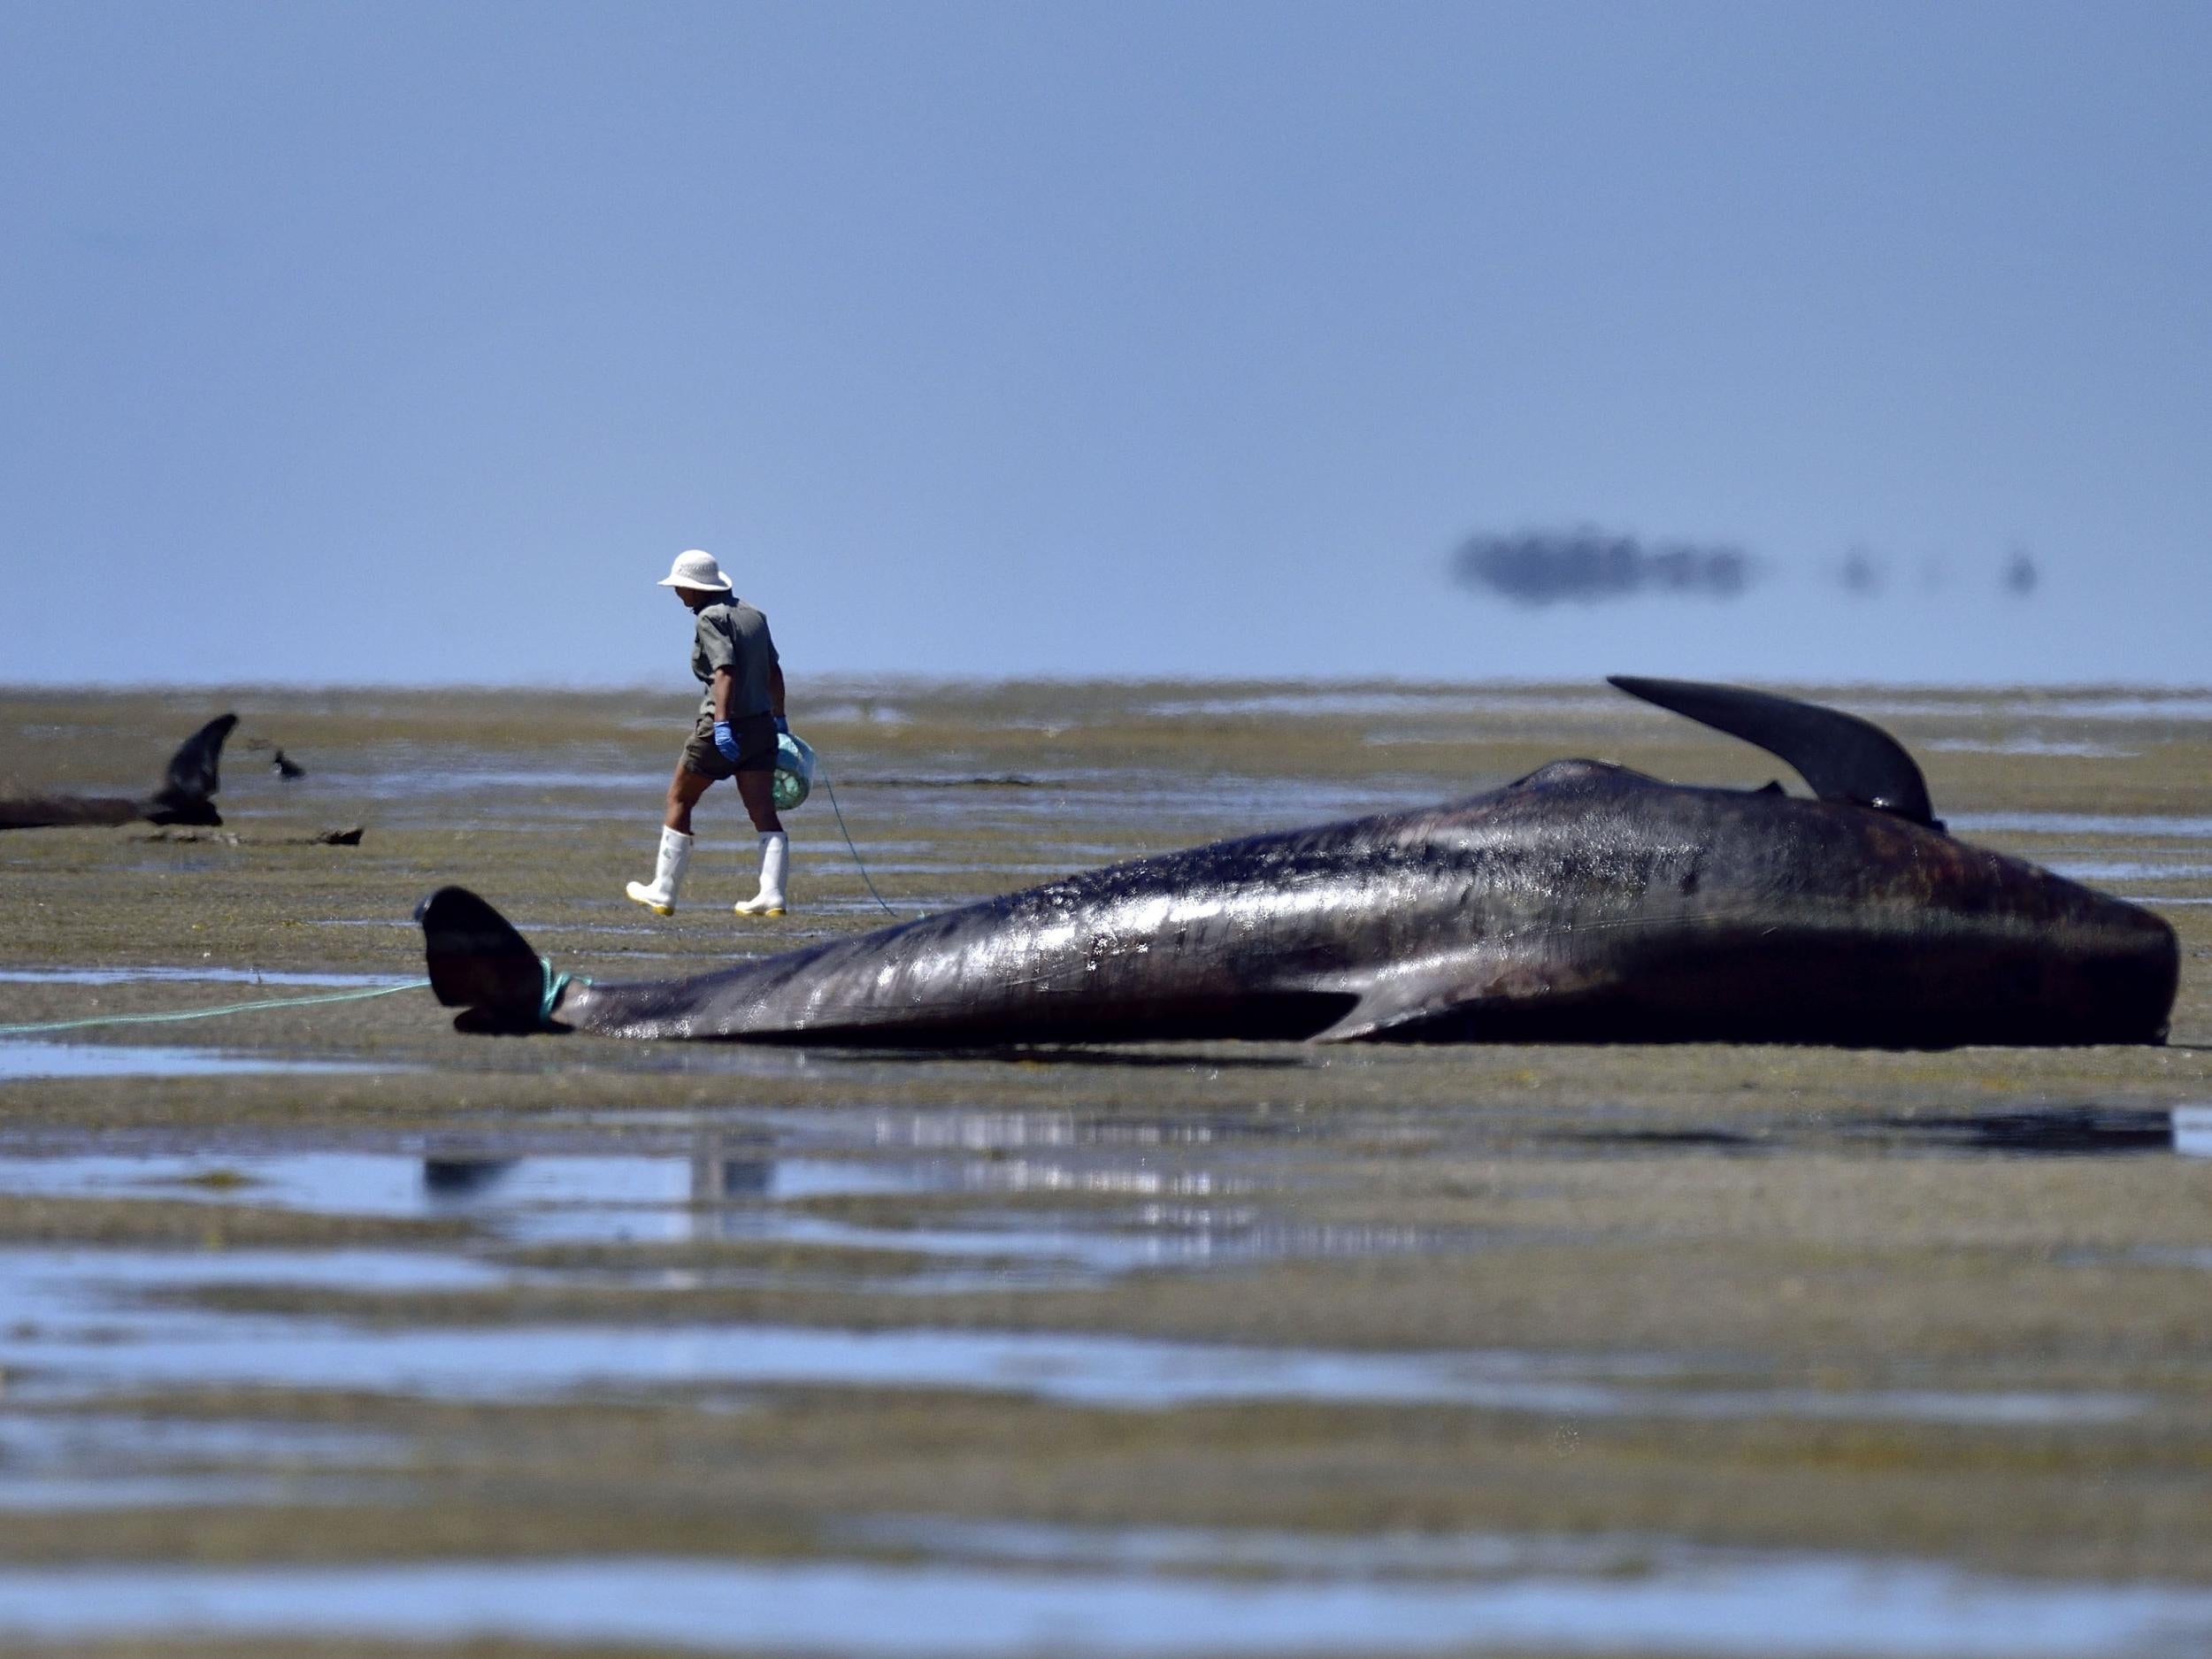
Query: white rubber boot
(668, 874)
(775, 856)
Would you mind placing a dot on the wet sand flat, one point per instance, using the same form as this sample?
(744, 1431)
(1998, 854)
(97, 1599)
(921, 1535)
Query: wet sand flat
(1191, 1349)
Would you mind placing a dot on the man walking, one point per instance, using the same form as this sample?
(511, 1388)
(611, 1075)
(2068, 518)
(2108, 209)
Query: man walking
(740, 719)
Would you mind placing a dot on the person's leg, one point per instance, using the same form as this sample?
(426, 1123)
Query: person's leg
(659, 894)
(758, 790)
(684, 790)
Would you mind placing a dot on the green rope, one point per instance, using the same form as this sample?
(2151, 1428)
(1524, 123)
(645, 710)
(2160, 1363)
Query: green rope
(848, 834)
(554, 984)
(213, 1013)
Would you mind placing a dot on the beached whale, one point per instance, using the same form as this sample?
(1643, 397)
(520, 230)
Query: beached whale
(1585, 902)
(187, 795)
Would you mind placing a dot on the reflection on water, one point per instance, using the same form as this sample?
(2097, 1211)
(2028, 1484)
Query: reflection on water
(463, 1178)
(727, 1189)
(555, 1197)
(1000, 1131)
(2056, 1130)
(2069, 1130)
(1755, 1605)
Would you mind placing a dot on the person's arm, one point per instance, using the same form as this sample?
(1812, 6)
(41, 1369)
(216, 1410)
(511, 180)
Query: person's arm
(775, 697)
(725, 740)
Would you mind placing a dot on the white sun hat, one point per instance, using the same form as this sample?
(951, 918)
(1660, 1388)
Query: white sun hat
(696, 569)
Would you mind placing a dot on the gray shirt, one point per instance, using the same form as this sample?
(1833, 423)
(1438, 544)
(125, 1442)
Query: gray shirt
(733, 635)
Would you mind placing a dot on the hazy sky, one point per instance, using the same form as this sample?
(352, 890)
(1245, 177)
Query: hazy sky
(386, 342)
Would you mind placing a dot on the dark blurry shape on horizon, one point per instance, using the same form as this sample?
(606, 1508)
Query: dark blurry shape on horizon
(1860, 574)
(1543, 567)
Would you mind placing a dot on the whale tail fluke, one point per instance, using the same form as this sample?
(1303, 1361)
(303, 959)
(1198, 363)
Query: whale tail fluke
(1842, 757)
(188, 789)
(479, 965)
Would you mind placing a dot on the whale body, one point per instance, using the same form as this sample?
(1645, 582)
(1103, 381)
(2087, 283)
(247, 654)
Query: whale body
(1585, 901)
(185, 795)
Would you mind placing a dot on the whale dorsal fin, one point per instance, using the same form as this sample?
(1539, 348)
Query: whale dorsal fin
(1842, 757)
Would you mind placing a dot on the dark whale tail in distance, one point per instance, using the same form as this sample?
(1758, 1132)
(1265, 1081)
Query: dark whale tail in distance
(479, 965)
(188, 790)
(1842, 757)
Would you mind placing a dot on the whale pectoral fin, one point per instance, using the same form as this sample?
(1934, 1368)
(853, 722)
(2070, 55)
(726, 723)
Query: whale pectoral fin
(479, 965)
(1843, 757)
(1399, 1003)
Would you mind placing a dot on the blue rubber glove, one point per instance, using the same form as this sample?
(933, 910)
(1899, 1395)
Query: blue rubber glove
(783, 726)
(726, 741)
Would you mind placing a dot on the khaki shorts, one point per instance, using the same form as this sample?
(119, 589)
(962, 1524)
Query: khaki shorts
(756, 747)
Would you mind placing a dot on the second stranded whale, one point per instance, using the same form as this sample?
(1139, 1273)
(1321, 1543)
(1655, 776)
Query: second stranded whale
(185, 795)
(1584, 902)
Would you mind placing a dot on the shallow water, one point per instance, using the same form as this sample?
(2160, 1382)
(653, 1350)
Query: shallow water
(88, 1461)
(2128, 869)
(2145, 825)
(21, 1059)
(1753, 1607)
(2028, 746)
(70, 1320)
